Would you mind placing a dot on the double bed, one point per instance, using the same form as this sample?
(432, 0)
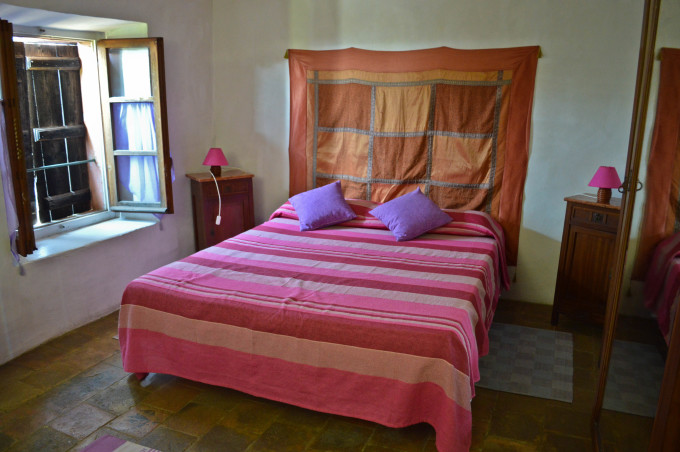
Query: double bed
(345, 319)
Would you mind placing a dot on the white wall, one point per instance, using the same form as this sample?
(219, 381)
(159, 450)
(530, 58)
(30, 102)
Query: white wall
(583, 96)
(59, 293)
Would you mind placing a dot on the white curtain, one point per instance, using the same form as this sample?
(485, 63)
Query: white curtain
(8, 188)
(134, 131)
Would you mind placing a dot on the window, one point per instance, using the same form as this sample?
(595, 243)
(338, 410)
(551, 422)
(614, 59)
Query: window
(89, 149)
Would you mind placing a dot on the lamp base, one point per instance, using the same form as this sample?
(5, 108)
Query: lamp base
(604, 195)
(217, 171)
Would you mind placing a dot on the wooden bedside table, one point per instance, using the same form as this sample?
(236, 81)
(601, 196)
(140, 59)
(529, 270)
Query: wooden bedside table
(584, 272)
(236, 190)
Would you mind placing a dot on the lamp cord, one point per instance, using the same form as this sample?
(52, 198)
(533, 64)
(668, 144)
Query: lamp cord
(219, 197)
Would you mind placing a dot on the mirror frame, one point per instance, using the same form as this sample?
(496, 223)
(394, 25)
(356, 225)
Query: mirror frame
(641, 100)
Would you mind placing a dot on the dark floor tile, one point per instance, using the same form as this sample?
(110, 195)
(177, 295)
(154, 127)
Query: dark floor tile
(299, 416)
(40, 357)
(405, 439)
(221, 438)
(120, 396)
(27, 418)
(50, 376)
(195, 419)
(627, 431)
(172, 396)
(45, 439)
(223, 398)
(70, 341)
(81, 421)
(15, 393)
(499, 444)
(250, 417)
(12, 371)
(280, 437)
(515, 425)
(167, 440)
(556, 442)
(139, 421)
(83, 386)
(565, 421)
(483, 404)
(5, 441)
(341, 436)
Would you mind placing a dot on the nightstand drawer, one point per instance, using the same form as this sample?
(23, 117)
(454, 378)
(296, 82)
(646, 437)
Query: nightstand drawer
(595, 218)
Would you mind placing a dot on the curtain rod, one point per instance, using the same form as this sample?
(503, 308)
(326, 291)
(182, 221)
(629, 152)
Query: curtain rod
(540, 53)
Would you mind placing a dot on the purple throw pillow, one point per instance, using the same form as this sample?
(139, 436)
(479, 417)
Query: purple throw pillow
(321, 207)
(410, 215)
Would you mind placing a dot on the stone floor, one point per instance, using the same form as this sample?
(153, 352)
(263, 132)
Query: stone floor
(63, 395)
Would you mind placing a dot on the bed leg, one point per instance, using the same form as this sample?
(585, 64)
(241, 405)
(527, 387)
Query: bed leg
(141, 375)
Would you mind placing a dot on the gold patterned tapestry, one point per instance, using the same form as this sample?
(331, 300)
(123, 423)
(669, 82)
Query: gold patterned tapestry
(661, 216)
(453, 122)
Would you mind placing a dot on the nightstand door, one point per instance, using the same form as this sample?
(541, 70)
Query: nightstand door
(236, 210)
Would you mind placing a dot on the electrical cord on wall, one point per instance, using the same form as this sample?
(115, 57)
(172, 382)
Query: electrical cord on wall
(219, 197)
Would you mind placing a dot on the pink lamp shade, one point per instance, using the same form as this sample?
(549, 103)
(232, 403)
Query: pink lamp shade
(215, 159)
(605, 179)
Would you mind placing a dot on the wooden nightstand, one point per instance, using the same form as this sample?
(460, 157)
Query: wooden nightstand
(236, 189)
(586, 258)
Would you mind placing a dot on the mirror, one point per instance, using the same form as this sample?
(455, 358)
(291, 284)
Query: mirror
(628, 408)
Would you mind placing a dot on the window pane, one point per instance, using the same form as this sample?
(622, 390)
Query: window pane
(129, 73)
(137, 178)
(133, 126)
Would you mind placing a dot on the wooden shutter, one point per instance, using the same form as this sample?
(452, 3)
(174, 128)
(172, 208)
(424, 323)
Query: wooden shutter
(110, 96)
(25, 238)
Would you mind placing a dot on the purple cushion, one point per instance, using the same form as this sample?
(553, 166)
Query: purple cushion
(321, 207)
(410, 215)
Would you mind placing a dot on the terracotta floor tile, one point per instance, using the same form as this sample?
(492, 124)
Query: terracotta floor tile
(280, 437)
(12, 371)
(5, 441)
(52, 375)
(341, 436)
(515, 425)
(556, 442)
(223, 398)
(249, 417)
(407, 439)
(496, 444)
(15, 393)
(171, 397)
(139, 421)
(221, 438)
(567, 422)
(300, 416)
(70, 341)
(167, 440)
(27, 418)
(195, 420)
(81, 421)
(40, 357)
(45, 439)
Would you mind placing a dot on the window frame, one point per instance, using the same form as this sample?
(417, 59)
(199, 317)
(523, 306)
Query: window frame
(162, 154)
(26, 232)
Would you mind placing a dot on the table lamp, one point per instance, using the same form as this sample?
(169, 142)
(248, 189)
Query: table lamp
(215, 159)
(605, 179)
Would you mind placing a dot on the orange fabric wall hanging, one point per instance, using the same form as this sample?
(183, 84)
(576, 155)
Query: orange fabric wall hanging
(661, 216)
(454, 122)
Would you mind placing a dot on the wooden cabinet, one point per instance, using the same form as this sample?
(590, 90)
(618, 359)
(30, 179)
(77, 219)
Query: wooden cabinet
(236, 190)
(586, 258)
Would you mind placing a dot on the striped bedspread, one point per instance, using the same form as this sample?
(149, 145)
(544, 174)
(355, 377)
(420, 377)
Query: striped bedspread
(343, 320)
(662, 285)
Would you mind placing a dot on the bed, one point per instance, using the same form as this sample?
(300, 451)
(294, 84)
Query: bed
(267, 312)
(346, 319)
(662, 286)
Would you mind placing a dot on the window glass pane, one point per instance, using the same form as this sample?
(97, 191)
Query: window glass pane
(133, 126)
(129, 72)
(137, 178)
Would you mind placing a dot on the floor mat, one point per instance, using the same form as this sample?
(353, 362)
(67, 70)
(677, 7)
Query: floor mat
(634, 378)
(529, 361)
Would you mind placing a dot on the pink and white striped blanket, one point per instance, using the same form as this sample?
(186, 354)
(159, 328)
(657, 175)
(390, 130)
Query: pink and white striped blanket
(662, 285)
(343, 320)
